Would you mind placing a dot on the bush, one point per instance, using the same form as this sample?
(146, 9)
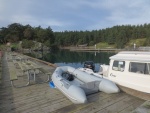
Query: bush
(14, 47)
(27, 44)
(91, 43)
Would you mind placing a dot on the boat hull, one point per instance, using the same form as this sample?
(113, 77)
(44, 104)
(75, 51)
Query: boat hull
(136, 93)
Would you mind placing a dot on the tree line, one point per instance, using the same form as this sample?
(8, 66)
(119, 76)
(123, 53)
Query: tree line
(16, 32)
(117, 35)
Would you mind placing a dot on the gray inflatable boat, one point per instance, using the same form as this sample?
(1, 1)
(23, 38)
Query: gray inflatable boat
(76, 84)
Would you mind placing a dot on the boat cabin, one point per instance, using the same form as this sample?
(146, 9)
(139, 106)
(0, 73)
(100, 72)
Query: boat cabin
(131, 69)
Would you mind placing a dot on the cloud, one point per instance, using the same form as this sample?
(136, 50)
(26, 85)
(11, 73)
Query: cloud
(24, 19)
(129, 10)
(74, 15)
(122, 13)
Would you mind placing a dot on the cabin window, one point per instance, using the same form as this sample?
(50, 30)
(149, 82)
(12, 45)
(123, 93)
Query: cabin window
(118, 65)
(142, 68)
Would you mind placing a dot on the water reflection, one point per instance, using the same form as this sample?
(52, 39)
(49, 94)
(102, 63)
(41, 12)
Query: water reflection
(72, 58)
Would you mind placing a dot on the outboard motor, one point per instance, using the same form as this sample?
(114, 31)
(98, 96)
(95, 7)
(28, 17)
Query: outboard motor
(89, 64)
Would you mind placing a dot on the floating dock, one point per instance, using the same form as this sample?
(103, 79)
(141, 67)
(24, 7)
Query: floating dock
(95, 50)
(40, 98)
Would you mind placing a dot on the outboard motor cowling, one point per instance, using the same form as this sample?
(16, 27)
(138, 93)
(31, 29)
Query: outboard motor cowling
(89, 64)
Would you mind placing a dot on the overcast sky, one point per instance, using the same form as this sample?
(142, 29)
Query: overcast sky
(73, 15)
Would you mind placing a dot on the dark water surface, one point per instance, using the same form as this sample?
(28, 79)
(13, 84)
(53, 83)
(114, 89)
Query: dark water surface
(72, 58)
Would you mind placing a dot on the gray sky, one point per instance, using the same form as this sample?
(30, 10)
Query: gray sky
(73, 15)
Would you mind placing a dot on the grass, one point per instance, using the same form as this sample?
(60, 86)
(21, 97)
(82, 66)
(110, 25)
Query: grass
(14, 45)
(104, 45)
(138, 42)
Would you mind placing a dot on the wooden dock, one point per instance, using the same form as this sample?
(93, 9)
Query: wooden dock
(96, 50)
(40, 98)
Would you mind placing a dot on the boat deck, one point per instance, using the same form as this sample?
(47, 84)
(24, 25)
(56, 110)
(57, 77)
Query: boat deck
(40, 98)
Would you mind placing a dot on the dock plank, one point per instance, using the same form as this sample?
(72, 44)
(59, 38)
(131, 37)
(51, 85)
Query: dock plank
(132, 106)
(120, 106)
(144, 108)
(102, 103)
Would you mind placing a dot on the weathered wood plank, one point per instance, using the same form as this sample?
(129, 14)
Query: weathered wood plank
(102, 103)
(120, 106)
(144, 108)
(53, 107)
(134, 105)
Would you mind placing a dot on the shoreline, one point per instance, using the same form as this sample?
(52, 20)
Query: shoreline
(95, 50)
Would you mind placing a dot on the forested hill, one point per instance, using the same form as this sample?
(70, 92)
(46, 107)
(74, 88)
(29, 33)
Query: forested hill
(119, 36)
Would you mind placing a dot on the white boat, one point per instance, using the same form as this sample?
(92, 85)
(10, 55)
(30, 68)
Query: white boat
(76, 84)
(130, 69)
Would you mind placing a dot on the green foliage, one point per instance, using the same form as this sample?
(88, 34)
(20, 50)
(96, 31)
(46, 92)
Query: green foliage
(15, 46)
(91, 43)
(147, 42)
(104, 45)
(27, 44)
(47, 43)
(118, 36)
(138, 42)
(28, 33)
(16, 32)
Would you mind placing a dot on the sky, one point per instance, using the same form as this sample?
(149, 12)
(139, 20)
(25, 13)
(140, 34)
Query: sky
(74, 15)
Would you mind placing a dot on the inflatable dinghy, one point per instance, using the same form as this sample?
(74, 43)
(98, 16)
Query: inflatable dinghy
(76, 84)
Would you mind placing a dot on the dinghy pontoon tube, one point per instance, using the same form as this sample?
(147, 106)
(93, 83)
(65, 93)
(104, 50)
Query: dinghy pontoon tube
(76, 91)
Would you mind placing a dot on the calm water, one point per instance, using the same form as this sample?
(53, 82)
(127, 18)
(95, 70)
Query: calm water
(74, 59)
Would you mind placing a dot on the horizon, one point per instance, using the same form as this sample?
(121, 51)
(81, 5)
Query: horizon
(76, 30)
